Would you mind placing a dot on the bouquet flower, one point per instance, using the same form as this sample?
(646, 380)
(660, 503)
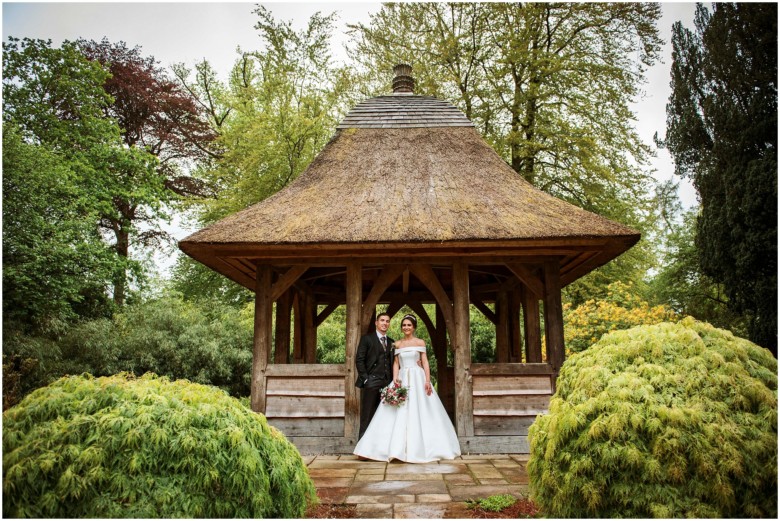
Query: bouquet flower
(394, 395)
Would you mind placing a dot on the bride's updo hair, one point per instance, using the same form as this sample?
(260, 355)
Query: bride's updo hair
(411, 318)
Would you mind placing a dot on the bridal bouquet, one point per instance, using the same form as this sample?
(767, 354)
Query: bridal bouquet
(394, 395)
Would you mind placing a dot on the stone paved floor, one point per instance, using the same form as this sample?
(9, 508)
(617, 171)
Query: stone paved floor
(413, 491)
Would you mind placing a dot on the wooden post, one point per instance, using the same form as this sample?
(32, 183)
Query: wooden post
(297, 356)
(502, 328)
(446, 377)
(533, 333)
(354, 312)
(310, 330)
(262, 339)
(282, 336)
(553, 315)
(464, 412)
(515, 334)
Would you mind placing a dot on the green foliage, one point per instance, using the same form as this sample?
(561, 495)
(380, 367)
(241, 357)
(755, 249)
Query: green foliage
(670, 420)
(483, 337)
(59, 155)
(331, 335)
(681, 284)
(16, 370)
(278, 109)
(54, 260)
(167, 336)
(495, 503)
(722, 133)
(148, 447)
(620, 308)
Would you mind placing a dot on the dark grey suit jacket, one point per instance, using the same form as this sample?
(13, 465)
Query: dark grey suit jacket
(368, 361)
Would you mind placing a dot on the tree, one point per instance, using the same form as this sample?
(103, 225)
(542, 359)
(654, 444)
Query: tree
(55, 264)
(722, 133)
(549, 86)
(162, 119)
(681, 284)
(59, 158)
(278, 109)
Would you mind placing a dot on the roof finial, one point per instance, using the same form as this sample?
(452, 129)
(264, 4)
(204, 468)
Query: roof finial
(403, 83)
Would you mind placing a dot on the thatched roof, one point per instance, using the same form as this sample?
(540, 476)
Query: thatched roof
(406, 171)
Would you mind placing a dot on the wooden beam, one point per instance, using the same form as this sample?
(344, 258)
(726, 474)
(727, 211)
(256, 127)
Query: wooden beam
(307, 371)
(309, 329)
(426, 275)
(387, 277)
(283, 331)
(502, 328)
(515, 332)
(405, 280)
(418, 308)
(262, 339)
(297, 350)
(394, 306)
(286, 280)
(354, 314)
(446, 375)
(489, 314)
(553, 315)
(325, 313)
(532, 327)
(462, 334)
(528, 278)
(510, 369)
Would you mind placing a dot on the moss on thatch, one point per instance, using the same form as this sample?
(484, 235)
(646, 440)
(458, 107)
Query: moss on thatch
(408, 185)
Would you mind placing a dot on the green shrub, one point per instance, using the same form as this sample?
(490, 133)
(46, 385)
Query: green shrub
(495, 503)
(149, 447)
(668, 420)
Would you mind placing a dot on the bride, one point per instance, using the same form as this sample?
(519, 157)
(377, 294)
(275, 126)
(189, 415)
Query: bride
(419, 431)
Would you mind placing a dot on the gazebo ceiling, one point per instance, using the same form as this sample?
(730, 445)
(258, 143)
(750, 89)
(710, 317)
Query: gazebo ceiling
(408, 178)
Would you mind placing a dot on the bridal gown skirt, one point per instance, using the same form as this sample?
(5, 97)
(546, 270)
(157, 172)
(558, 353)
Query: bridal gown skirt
(419, 431)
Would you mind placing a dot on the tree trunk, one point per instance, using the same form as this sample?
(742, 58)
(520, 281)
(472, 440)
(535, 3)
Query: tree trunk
(123, 250)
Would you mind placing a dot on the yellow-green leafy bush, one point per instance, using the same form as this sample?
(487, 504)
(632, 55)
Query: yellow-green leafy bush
(669, 420)
(621, 308)
(148, 447)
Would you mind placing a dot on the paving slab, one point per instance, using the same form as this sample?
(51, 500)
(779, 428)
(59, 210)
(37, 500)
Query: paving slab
(316, 472)
(333, 495)
(426, 468)
(433, 498)
(332, 482)
(400, 487)
(420, 511)
(372, 498)
(364, 478)
(347, 464)
(417, 477)
(458, 479)
(484, 471)
(463, 493)
(375, 510)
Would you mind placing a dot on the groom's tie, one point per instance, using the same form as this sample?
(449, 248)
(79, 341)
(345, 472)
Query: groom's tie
(384, 344)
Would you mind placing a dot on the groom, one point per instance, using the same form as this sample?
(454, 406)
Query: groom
(374, 364)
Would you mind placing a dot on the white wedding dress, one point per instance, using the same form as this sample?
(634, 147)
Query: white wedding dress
(419, 431)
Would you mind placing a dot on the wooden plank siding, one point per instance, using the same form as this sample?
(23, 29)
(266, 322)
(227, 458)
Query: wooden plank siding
(507, 398)
(309, 402)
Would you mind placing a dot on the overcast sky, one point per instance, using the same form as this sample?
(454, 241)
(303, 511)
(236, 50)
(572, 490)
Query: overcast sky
(188, 32)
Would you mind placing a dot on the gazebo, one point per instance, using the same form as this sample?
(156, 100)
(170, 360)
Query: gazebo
(407, 204)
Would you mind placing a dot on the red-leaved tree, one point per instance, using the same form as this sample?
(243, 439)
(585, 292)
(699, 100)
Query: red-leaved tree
(160, 117)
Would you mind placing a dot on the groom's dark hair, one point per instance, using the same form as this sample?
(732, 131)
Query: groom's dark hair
(383, 313)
